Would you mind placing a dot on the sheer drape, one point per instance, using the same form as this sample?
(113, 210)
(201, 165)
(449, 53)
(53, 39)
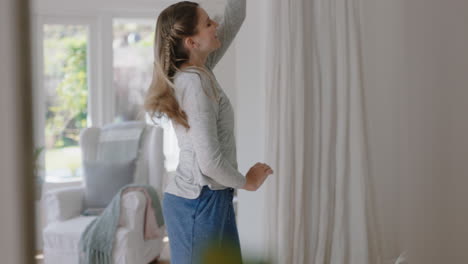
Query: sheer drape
(319, 201)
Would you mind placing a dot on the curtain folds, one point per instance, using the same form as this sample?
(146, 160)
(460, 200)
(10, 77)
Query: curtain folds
(319, 200)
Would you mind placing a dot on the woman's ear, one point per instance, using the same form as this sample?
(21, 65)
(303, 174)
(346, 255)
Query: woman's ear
(190, 43)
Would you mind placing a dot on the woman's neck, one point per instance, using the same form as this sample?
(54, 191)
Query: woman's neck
(195, 60)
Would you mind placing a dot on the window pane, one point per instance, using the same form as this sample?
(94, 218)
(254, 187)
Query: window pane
(66, 89)
(133, 65)
(133, 69)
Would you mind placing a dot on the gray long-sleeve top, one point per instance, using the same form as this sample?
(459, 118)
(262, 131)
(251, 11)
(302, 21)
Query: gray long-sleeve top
(208, 149)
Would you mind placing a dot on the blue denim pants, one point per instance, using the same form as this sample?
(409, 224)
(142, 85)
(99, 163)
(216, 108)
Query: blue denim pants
(202, 230)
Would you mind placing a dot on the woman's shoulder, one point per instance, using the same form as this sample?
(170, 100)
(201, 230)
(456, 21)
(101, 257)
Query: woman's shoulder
(185, 73)
(192, 74)
(195, 80)
(183, 79)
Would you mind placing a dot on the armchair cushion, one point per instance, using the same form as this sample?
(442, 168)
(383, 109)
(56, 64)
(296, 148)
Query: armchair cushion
(103, 180)
(65, 235)
(64, 203)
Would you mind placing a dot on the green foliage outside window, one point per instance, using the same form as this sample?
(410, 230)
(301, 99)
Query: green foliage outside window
(67, 110)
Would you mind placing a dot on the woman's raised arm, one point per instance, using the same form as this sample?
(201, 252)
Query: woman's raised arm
(234, 16)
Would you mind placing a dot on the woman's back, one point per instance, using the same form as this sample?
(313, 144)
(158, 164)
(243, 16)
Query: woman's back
(208, 149)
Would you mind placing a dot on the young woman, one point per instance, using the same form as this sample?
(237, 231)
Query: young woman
(197, 203)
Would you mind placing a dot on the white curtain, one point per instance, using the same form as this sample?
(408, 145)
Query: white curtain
(319, 200)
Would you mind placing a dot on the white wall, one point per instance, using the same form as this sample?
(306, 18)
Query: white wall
(91, 6)
(416, 80)
(250, 129)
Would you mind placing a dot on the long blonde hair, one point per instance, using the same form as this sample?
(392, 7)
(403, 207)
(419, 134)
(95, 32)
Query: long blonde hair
(174, 24)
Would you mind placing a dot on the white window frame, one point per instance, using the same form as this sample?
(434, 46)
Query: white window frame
(39, 103)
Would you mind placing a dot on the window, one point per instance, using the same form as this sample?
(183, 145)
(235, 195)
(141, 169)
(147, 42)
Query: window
(133, 59)
(132, 65)
(65, 85)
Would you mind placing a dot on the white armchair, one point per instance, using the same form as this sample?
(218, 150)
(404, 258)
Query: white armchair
(64, 207)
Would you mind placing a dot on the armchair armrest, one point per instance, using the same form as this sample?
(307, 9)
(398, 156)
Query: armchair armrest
(64, 203)
(132, 210)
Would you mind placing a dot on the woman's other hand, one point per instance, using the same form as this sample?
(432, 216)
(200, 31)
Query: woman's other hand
(256, 176)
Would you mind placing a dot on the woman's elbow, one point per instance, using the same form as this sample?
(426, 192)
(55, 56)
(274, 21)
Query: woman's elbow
(210, 166)
(207, 169)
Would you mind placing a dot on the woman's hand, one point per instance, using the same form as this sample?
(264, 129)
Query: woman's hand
(256, 176)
